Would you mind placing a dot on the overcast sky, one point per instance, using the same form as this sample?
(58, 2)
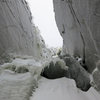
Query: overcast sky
(43, 17)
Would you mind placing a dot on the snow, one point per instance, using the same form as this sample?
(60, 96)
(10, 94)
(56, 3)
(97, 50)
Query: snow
(15, 85)
(19, 86)
(62, 89)
(29, 63)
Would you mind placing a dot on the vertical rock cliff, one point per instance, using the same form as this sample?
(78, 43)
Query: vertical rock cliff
(21, 49)
(17, 32)
(79, 24)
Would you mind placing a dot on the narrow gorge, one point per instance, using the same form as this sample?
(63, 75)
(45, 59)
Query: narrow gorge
(29, 70)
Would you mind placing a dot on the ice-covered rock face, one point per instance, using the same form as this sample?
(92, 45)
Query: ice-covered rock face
(79, 24)
(17, 32)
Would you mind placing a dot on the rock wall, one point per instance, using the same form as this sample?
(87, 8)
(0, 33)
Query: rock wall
(79, 24)
(17, 32)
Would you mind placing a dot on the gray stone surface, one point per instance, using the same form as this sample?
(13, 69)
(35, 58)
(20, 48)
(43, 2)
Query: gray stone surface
(17, 32)
(78, 22)
(77, 72)
(79, 25)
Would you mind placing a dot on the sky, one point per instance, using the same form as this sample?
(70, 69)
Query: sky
(43, 17)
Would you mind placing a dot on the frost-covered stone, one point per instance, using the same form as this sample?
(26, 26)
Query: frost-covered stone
(78, 22)
(77, 72)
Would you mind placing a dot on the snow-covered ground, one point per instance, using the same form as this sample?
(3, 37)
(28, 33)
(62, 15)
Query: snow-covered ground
(62, 89)
(15, 86)
(21, 78)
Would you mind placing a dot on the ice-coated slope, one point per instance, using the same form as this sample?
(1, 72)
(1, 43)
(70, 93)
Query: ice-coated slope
(62, 89)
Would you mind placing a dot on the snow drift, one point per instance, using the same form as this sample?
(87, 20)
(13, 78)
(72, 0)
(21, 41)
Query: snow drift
(62, 89)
